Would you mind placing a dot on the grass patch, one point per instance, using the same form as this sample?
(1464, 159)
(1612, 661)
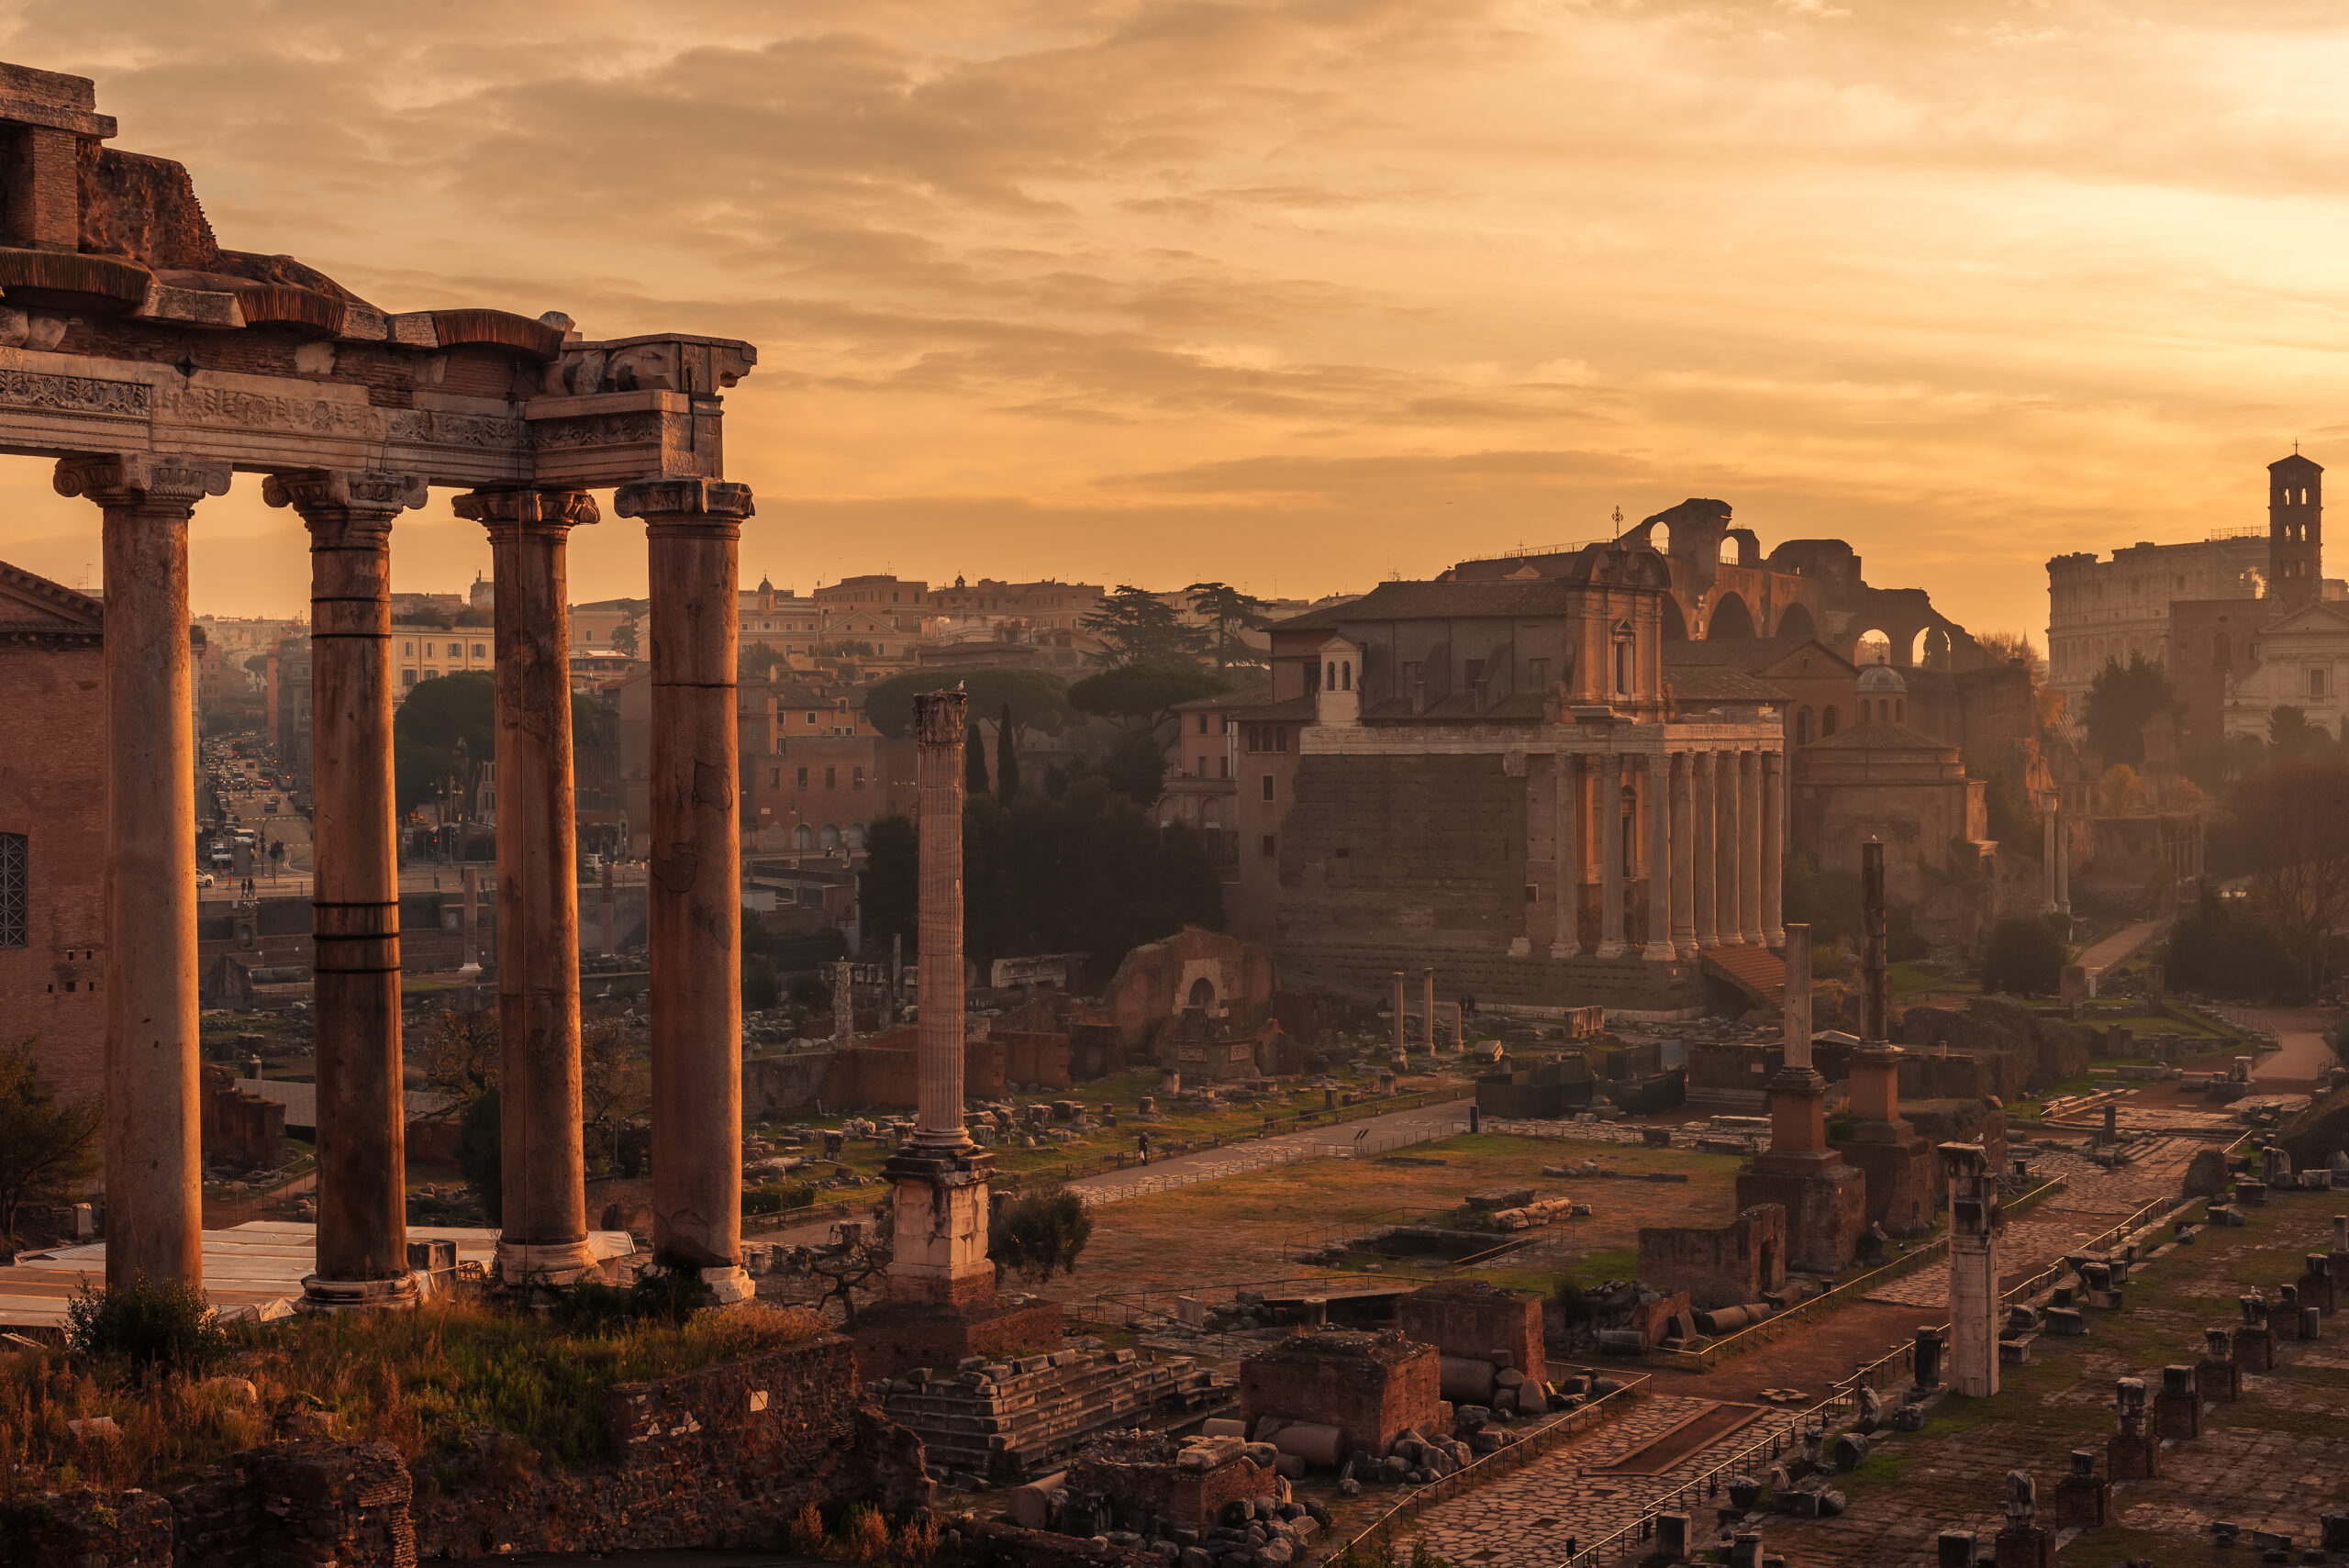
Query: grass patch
(427, 1381)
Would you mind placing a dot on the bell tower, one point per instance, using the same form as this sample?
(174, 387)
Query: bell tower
(2295, 532)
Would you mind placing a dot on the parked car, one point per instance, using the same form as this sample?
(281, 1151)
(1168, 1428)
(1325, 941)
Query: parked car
(204, 879)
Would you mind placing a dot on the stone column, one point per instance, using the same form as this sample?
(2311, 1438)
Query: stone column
(1662, 910)
(1728, 901)
(153, 1159)
(1705, 873)
(1607, 821)
(356, 897)
(469, 878)
(543, 1178)
(692, 530)
(1400, 1045)
(2047, 863)
(1427, 1006)
(1773, 848)
(1752, 829)
(940, 1243)
(1797, 949)
(1565, 941)
(2063, 867)
(1683, 885)
(1974, 1311)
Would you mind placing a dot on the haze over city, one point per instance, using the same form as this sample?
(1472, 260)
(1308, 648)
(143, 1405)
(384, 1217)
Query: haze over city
(1303, 296)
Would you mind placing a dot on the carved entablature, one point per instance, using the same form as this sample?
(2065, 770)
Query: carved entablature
(117, 302)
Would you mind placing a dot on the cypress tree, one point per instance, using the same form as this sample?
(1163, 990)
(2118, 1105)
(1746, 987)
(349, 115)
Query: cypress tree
(974, 762)
(1006, 761)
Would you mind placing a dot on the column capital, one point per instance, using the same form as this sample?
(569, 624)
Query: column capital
(718, 502)
(528, 511)
(940, 717)
(130, 479)
(340, 501)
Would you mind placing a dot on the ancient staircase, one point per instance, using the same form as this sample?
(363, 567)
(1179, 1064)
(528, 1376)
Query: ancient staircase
(1758, 973)
(1007, 1420)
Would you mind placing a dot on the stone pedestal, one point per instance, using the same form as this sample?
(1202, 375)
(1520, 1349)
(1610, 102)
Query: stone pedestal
(2031, 1546)
(2218, 1382)
(355, 908)
(940, 1248)
(153, 1162)
(2177, 1408)
(2081, 1498)
(2255, 1348)
(2133, 1457)
(693, 899)
(542, 1181)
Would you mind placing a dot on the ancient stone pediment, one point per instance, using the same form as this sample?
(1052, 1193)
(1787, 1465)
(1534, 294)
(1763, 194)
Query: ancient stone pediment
(32, 606)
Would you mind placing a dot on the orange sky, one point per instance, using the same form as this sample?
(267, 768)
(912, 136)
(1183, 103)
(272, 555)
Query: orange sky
(1301, 296)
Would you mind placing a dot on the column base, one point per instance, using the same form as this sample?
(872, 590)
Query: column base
(544, 1263)
(1685, 946)
(399, 1294)
(729, 1285)
(1731, 940)
(1609, 950)
(1775, 940)
(1754, 939)
(1659, 952)
(1565, 950)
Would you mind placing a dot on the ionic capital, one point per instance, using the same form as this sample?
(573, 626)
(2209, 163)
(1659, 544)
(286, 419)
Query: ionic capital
(716, 500)
(940, 718)
(336, 504)
(515, 512)
(133, 479)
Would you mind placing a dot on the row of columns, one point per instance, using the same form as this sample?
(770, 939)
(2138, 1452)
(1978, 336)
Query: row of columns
(1714, 826)
(153, 1159)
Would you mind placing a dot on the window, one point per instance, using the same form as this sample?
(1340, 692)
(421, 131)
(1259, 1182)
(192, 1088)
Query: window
(775, 778)
(16, 891)
(1223, 767)
(1268, 786)
(1802, 727)
(856, 778)
(1271, 847)
(1475, 672)
(803, 778)
(481, 650)
(407, 677)
(1346, 675)
(408, 648)
(1827, 722)
(831, 778)
(1280, 737)
(1203, 724)
(2316, 682)
(811, 717)
(1203, 768)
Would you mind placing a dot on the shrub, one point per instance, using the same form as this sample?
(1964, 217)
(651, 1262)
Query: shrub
(1574, 1302)
(2025, 958)
(147, 1328)
(663, 1296)
(480, 1153)
(868, 1534)
(761, 989)
(1039, 1232)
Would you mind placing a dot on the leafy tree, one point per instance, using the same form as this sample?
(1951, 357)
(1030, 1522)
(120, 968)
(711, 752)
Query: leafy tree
(2289, 821)
(1229, 612)
(1136, 768)
(49, 1152)
(624, 637)
(1006, 760)
(1039, 1233)
(459, 1054)
(1140, 628)
(437, 714)
(1143, 696)
(2233, 946)
(974, 761)
(2293, 737)
(760, 988)
(2025, 958)
(615, 1082)
(889, 887)
(1038, 699)
(2121, 701)
(2121, 792)
(480, 1153)
(2011, 645)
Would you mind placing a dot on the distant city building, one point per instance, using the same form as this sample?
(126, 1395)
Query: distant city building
(427, 652)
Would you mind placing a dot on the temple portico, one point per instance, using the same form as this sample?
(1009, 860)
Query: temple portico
(152, 364)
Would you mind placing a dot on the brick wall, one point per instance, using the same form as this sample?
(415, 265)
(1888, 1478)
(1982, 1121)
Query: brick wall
(1370, 1386)
(1434, 853)
(1727, 1267)
(54, 794)
(1470, 1317)
(239, 1128)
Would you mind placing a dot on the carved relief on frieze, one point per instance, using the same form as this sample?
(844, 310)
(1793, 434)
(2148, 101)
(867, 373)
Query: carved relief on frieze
(277, 411)
(638, 428)
(439, 427)
(697, 366)
(75, 394)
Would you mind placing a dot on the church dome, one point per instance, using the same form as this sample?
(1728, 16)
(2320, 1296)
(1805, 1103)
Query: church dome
(1881, 680)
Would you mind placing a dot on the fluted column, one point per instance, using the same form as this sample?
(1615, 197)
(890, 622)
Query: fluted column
(1653, 798)
(1774, 849)
(1607, 821)
(692, 530)
(1752, 830)
(1684, 888)
(153, 1158)
(361, 1258)
(941, 726)
(1728, 789)
(1705, 820)
(1565, 940)
(543, 1180)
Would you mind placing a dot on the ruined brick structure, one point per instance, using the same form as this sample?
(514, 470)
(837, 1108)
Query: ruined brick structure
(1729, 1265)
(1470, 1317)
(1369, 1386)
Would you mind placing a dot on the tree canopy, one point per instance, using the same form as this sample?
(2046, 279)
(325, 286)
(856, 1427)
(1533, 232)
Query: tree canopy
(437, 714)
(1229, 612)
(1143, 696)
(1036, 699)
(1140, 628)
(2123, 699)
(49, 1152)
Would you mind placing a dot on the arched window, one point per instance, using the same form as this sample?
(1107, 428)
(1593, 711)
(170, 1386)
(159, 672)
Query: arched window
(856, 835)
(1802, 727)
(1827, 722)
(803, 838)
(829, 838)
(1333, 675)
(1346, 675)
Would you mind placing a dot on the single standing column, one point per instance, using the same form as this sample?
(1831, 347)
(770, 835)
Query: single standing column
(1662, 911)
(1684, 866)
(1705, 874)
(1774, 849)
(2063, 867)
(1973, 1307)
(355, 886)
(154, 1157)
(1565, 941)
(1750, 830)
(1399, 1013)
(2047, 863)
(1727, 787)
(1797, 942)
(1607, 819)
(692, 530)
(940, 1242)
(542, 1184)
(1427, 1006)
(469, 880)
